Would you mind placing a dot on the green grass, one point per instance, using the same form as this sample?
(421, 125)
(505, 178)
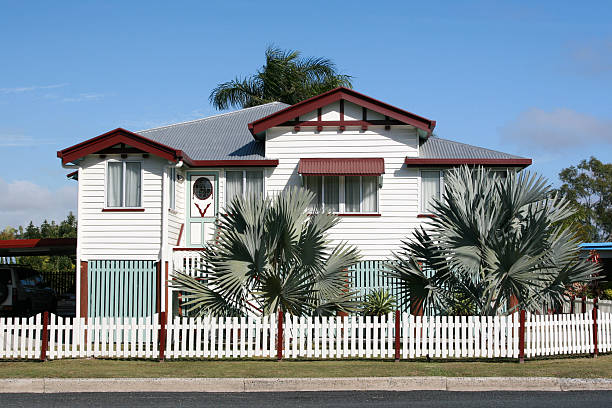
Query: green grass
(568, 367)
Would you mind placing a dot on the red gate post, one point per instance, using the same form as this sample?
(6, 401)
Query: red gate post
(595, 308)
(583, 304)
(522, 337)
(279, 343)
(397, 335)
(163, 320)
(45, 337)
(572, 299)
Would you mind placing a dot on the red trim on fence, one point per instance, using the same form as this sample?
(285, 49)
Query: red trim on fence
(572, 298)
(417, 162)
(83, 289)
(45, 337)
(279, 337)
(123, 210)
(339, 94)
(595, 308)
(397, 335)
(180, 235)
(163, 320)
(522, 337)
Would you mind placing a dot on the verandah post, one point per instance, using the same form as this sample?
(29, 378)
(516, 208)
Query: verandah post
(45, 337)
(163, 320)
(595, 308)
(397, 335)
(522, 336)
(279, 339)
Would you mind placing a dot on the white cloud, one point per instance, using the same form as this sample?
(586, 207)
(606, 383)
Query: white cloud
(30, 88)
(84, 97)
(23, 201)
(556, 130)
(15, 140)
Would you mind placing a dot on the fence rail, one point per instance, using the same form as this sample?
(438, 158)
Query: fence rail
(399, 336)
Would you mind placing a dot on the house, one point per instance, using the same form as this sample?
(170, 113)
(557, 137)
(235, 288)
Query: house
(147, 200)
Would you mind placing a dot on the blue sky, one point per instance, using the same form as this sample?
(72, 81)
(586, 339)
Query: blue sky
(530, 78)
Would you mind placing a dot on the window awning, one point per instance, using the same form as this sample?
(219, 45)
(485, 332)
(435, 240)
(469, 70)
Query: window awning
(342, 167)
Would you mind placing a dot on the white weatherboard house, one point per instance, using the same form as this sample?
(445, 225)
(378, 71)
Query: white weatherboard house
(147, 201)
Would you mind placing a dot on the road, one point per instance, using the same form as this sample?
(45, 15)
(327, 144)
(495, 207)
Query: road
(591, 399)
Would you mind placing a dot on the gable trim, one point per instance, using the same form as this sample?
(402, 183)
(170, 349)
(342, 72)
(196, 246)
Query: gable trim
(340, 94)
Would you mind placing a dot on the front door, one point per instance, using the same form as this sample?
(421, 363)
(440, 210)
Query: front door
(203, 204)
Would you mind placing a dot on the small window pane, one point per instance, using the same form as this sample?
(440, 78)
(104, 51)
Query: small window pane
(331, 195)
(313, 183)
(233, 185)
(370, 194)
(430, 190)
(114, 184)
(352, 193)
(254, 182)
(132, 184)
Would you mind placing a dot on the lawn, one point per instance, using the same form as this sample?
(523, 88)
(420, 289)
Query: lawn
(568, 367)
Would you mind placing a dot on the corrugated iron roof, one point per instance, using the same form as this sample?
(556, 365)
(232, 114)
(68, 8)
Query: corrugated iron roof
(220, 137)
(437, 148)
(342, 166)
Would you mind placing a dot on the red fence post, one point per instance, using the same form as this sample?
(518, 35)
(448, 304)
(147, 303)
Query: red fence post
(162, 335)
(595, 308)
(397, 335)
(583, 304)
(522, 337)
(279, 342)
(45, 337)
(572, 299)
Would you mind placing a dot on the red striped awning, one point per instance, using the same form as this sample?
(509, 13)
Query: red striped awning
(342, 167)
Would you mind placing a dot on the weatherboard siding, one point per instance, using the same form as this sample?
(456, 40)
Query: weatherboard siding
(119, 235)
(376, 236)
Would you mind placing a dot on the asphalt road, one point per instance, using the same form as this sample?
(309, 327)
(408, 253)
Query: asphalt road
(591, 399)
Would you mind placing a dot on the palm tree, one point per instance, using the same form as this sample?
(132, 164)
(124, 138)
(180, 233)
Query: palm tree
(270, 255)
(285, 77)
(493, 239)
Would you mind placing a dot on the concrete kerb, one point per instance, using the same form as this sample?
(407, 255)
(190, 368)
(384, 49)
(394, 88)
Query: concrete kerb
(73, 385)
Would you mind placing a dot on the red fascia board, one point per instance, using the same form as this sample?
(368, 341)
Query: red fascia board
(114, 137)
(73, 174)
(334, 95)
(36, 243)
(455, 162)
(233, 163)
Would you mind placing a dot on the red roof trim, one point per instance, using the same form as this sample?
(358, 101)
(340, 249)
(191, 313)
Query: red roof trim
(36, 243)
(410, 161)
(334, 95)
(342, 166)
(233, 163)
(114, 137)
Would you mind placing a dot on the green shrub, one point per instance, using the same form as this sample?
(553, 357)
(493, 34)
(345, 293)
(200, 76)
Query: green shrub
(378, 303)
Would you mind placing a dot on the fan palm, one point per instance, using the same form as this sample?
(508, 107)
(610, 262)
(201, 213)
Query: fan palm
(493, 239)
(285, 77)
(269, 255)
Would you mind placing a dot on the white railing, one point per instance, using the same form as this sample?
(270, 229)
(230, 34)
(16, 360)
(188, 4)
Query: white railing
(189, 262)
(602, 305)
(320, 337)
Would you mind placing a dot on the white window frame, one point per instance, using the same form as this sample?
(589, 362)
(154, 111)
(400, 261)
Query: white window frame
(342, 198)
(124, 161)
(422, 210)
(244, 171)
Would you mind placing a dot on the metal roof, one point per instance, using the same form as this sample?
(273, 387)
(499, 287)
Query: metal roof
(220, 137)
(437, 148)
(342, 166)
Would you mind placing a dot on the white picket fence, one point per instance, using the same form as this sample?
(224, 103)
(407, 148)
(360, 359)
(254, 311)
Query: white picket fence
(306, 337)
(602, 305)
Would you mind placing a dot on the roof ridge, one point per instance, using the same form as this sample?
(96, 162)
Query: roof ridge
(208, 117)
(470, 145)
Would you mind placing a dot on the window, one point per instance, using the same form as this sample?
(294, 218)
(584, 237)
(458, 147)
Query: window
(123, 184)
(242, 182)
(172, 188)
(345, 194)
(499, 173)
(430, 189)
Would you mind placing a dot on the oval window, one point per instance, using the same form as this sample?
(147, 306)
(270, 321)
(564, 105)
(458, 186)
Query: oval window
(202, 188)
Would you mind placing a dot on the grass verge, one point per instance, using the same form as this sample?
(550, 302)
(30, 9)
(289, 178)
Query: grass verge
(600, 367)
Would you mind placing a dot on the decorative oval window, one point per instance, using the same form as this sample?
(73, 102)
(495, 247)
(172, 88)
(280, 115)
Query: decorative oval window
(202, 188)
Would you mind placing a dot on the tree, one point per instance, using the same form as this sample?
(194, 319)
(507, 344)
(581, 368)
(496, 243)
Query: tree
(588, 187)
(269, 255)
(493, 239)
(285, 77)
